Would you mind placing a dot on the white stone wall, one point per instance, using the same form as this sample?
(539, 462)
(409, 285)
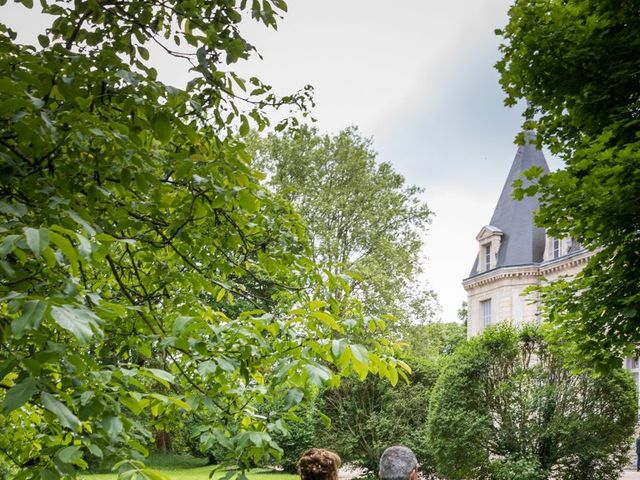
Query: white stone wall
(505, 287)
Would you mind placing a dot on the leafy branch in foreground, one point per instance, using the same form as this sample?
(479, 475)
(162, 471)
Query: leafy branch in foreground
(576, 63)
(145, 271)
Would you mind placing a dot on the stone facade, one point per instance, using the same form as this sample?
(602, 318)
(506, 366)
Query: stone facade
(504, 289)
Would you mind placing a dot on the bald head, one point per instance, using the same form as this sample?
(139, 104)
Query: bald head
(398, 463)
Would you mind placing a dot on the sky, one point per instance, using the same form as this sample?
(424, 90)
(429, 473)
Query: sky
(417, 77)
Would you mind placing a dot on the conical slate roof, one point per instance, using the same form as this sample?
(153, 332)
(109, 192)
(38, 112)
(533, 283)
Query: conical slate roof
(522, 242)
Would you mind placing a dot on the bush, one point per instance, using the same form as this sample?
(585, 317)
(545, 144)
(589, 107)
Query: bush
(518, 468)
(505, 407)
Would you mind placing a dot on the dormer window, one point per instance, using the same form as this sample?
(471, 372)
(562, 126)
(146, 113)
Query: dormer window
(556, 247)
(487, 257)
(489, 240)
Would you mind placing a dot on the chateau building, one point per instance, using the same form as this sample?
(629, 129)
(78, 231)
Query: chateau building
(514, 254)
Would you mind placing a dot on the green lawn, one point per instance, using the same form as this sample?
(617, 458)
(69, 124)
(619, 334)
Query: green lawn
(185, 468)
(201, 473)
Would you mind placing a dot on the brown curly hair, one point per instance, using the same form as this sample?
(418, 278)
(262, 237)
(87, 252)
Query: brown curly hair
(319, 464)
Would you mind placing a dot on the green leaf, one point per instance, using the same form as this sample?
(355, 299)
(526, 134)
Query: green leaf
(293, 397)
(152, 474)
(43, 40)
(80, 322)
(8, 244)
(7, 367)
(326, 420)
(360, 360)
(7, 269)
(244, 126)
(316, 304)
(162, 127)
(82, 222)
(180, 324)
(27, 3)
(164, 377)
(132, 404)
(208, 367)
(404, 365)
(360, 353)
(247, 201)
(113, 426)
(337, 347)
(50, 257)
(179, 403)
(318, 374)
(221, 438)
(95, 450)
(70, 454)
(258, 438)
(125, 178)
(393, 375)
(31, 317)
(19, 394)
(37, 239)
(14, 209)
(220, 295)
(144, 53)
(225, 364)
(67, 249)
(65, 416)
(328, 319)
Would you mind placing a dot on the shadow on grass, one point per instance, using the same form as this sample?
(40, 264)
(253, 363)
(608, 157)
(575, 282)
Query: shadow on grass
(172, 461)
(186, 467)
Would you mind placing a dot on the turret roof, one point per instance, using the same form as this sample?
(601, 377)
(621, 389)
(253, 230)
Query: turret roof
(522, 242)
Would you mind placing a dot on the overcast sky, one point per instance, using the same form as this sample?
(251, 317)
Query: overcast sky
(415, 75)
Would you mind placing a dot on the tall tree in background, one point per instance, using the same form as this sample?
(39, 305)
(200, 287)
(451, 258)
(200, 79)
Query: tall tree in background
(577, 63)
(145, 270)
(360, 215)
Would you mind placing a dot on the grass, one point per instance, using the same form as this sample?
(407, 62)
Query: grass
(190, 468)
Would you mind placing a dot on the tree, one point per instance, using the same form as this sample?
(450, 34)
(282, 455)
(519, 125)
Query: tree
(146, 272)
(576, 63)
(463, 314)
(360, 215)
(507, 407)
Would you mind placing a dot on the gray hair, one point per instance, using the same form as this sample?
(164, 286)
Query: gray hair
(396, 463)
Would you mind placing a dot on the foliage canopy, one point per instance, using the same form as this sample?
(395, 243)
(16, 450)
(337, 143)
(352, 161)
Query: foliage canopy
(145, 270)
(361, 216)
(576, 62)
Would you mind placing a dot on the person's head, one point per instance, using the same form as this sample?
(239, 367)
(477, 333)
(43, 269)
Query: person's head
(398, 463)
(319, 464)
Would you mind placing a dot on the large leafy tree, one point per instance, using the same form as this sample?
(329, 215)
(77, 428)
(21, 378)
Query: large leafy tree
(577, 64)
(361, 215)
(507, 407)
(145, 270)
